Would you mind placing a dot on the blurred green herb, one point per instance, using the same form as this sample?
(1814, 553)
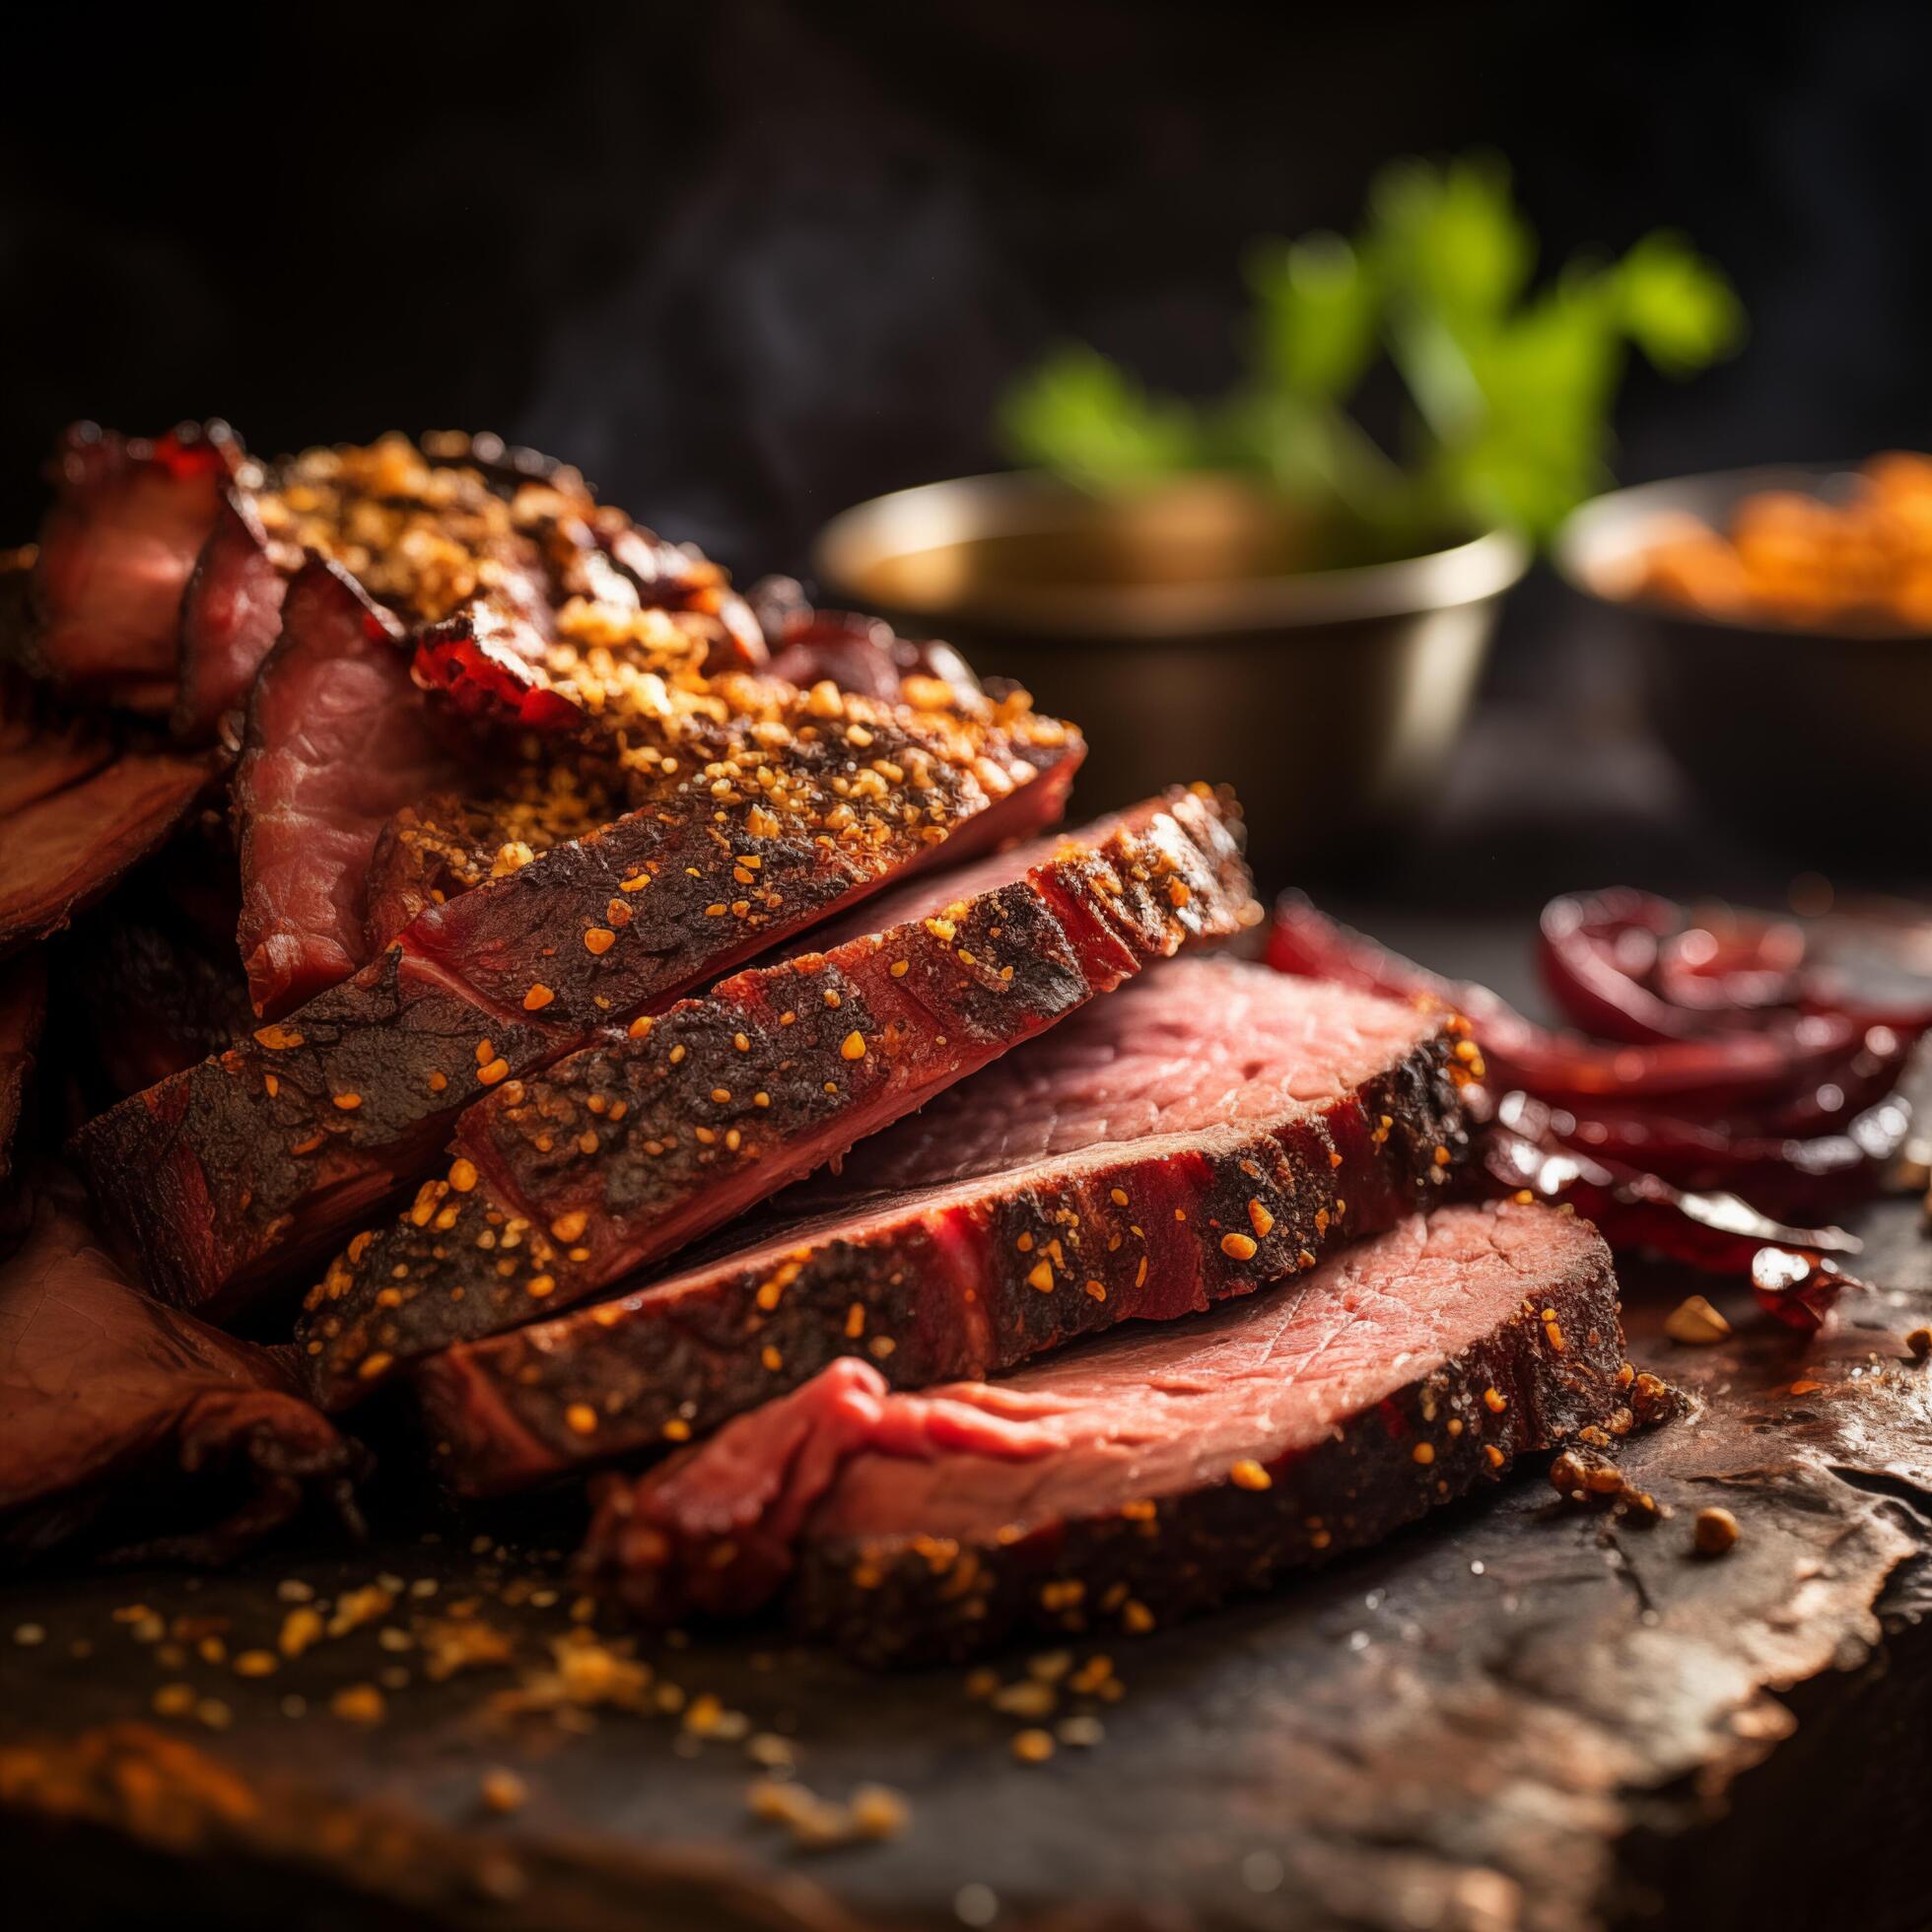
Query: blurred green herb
(1508, 386)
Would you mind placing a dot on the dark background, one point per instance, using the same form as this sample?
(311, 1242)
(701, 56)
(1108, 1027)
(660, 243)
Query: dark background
(746, 263)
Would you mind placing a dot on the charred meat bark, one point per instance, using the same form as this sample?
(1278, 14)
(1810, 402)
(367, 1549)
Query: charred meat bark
(1147, 1475)
(770, 809)
(117, 550)
(1209, 1128)
(135, 1428)
(152, 998)
(632, 1148)
(337, 743)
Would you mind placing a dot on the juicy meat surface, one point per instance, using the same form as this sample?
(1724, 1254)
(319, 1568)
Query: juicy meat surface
(1209, 1128)
(631, 1149)
(133, 1425)
(1204, 1045)
(231, 617)
(337, 743)
(263, 1158)
(117, 547)
(1156, 1467)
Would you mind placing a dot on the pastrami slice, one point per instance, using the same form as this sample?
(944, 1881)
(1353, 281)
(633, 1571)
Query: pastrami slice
(117, 550)
(231, 617)
(65, 848)
(1146, 1476)
(1209, 1128)
(263, 1158)
(137, 1427)
(631, 1149)
(336, 744)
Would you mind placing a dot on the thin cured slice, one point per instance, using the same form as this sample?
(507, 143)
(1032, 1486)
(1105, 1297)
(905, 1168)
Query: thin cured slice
(265, 1158)
(1147, 1475)
(43, 749)
(630, 1149)
(1209, 1128)
(134, 1427)
(231, 617)
(85, 811)
(337, 743)
(418, 531)
(117, 548)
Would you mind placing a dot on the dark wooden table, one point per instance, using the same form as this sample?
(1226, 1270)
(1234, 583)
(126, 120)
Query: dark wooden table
(1519, 1715)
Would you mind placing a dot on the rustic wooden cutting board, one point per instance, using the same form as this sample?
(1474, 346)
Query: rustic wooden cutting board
(1514, 1716)
(1517, 1715)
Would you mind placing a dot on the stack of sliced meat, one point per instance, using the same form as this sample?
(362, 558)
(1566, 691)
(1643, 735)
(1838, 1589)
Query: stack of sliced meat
(675, 1041)
(565, 1183)
(1150, 1475)
(1206, 1131)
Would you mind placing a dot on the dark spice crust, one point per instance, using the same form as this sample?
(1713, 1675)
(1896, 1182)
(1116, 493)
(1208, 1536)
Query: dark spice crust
(566, 1182)
(248, 1165)
(248, 1162)
(925, 1600)
(961, 1291)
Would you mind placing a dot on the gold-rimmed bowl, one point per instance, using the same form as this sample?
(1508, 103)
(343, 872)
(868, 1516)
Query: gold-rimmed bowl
(1205, 627)
(1813, 740)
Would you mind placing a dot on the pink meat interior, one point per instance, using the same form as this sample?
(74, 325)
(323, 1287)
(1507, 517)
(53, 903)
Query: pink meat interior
(1151, 1410)
(1194, 1045)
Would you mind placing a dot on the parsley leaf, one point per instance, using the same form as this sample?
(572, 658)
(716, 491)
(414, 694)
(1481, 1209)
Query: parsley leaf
(1510, 386)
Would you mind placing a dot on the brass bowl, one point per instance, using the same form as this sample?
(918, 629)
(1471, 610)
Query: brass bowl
(1817, 744)
(1193, 632)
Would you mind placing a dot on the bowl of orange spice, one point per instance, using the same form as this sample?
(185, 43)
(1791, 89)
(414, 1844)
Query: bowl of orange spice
(1783, 621)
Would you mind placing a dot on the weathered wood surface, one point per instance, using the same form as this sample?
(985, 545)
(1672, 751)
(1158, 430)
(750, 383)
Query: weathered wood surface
(1518, 1716)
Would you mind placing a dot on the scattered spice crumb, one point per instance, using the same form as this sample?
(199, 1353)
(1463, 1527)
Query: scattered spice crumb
(299, 1629)
(1696, 1324)
(1026, 1699)
(878, 1811)
(1714, 1531)
(359, 1703)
